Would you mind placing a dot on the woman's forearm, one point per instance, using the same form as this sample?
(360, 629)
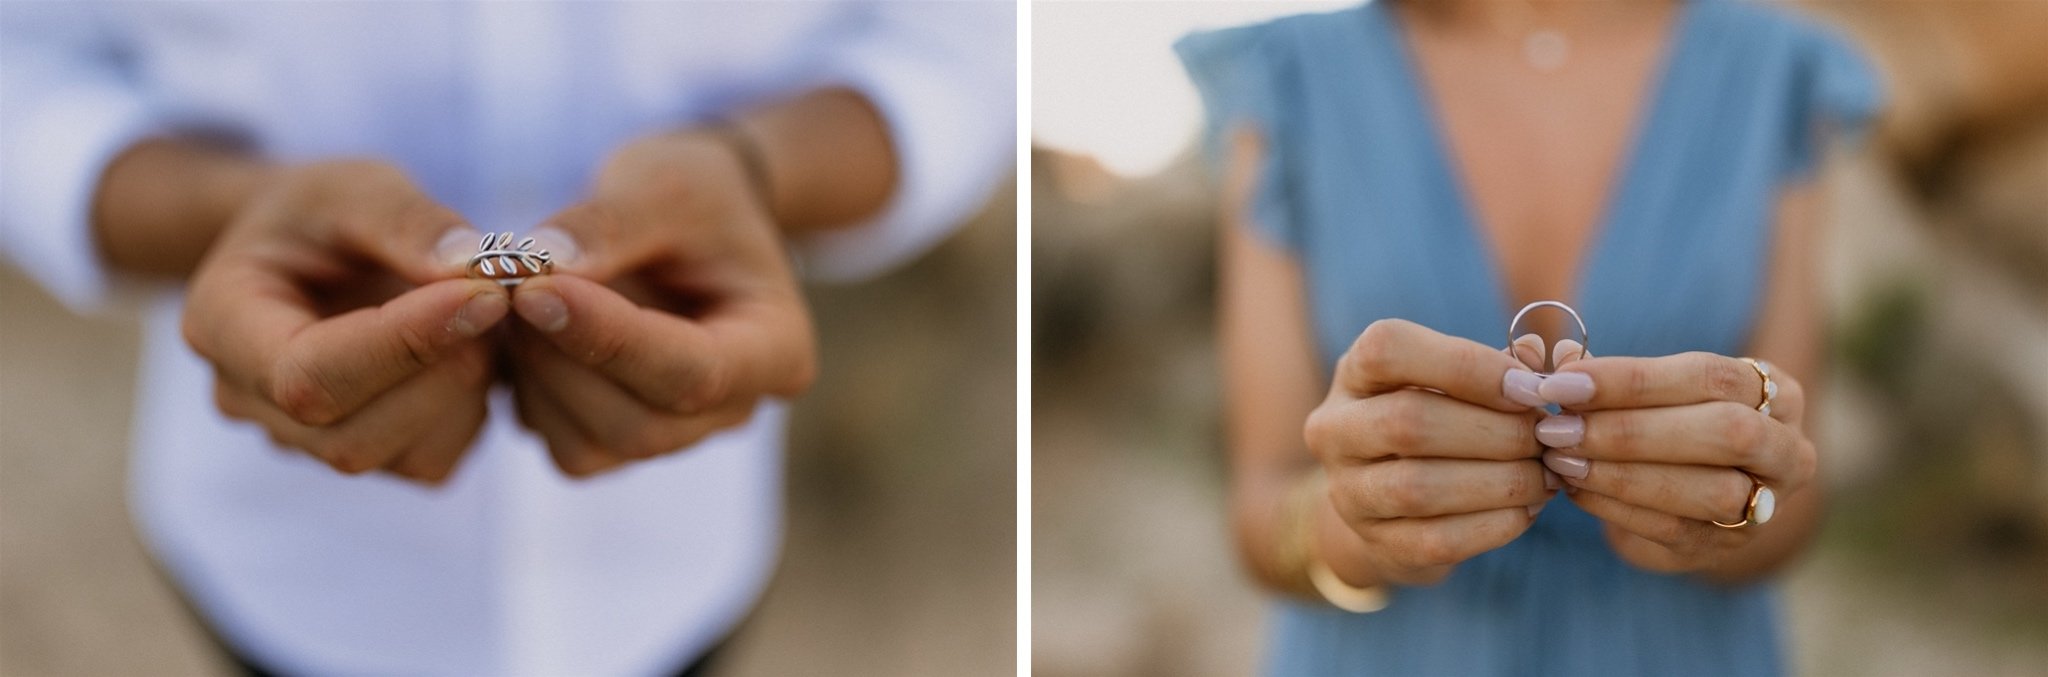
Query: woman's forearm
(162, 202)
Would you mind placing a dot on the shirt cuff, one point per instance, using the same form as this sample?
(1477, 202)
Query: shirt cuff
(54, 161)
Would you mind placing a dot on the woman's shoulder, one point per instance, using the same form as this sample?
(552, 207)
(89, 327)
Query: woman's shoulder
(1279, 40)
(1771, 26)
(1791, 55)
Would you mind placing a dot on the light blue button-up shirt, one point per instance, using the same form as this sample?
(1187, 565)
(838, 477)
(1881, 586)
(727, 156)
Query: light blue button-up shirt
(501, 111)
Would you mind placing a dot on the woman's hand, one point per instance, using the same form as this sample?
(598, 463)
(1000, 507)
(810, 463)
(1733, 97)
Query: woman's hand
(1430, 448)
(1657, 448)
(673, 313)
(329, 321)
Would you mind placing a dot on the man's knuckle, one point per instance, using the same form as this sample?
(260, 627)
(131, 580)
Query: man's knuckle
(301, 394)
(416, 350)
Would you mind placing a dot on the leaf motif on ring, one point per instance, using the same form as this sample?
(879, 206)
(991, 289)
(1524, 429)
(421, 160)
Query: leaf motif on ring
(497, 260)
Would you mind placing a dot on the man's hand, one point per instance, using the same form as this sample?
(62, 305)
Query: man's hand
(331, 322)
(674, 310)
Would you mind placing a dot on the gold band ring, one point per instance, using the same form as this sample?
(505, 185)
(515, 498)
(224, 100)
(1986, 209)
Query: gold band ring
(1760, 508)
(1770, 387)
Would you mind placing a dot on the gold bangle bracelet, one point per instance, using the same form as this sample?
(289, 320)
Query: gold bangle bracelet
(1343, 595)
(1298, 552)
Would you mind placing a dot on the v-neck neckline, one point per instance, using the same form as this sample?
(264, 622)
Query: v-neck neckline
(1442, 162)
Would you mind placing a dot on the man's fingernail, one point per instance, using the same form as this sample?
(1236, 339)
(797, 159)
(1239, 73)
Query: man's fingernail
(1550, 480)
(1520, 386)
(456, 246)
(1569, 387)
(478, 314)
(543, 309)
(1562, 431)
(562, 247)
(1568, 466)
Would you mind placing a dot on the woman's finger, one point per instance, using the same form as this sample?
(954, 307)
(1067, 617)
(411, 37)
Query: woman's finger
(1566, 352)
(1418, 424)
(1529, 350)
(1395, 354)
(1422, 548)
(1647, 554)
(1712, 434)
(1595, 384)
(1430, 487)
(1697, 492)
(1688, 538)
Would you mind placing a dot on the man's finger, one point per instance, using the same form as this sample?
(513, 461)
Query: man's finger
(329, 368)
(568, 446)
(384, 429)
(613, 419)
(1420, 424)
(746, 347)
(1394, 354)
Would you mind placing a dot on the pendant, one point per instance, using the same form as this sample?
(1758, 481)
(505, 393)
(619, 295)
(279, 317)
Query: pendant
(1546, 51)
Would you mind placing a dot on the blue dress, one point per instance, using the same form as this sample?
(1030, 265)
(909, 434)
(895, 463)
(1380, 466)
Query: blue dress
(1358, 186)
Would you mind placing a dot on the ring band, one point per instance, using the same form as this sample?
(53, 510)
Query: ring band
(1585, 338)
(1759, 509)
(1770, 387)
(496, 259)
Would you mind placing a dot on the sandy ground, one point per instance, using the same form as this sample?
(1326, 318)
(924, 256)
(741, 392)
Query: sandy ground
(900, 558)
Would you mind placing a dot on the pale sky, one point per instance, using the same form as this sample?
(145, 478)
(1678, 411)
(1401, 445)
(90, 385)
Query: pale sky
(1105, 81)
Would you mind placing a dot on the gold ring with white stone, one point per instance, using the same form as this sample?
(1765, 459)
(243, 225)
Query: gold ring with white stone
(1762, 505)
(1770, 387)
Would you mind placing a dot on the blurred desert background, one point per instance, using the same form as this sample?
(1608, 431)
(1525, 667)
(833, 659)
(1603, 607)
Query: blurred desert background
(1935, 432)
(900, 557)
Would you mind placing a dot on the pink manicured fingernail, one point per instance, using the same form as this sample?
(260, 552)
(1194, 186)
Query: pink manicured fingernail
(1537, 507)
(1568, 387)
(478, 314)
(1567, 466)
(1562, 431)
(1551, 481)
(542, 308)
(1529, 349)
(1566, 351)
(1520, 386)
(456, 246)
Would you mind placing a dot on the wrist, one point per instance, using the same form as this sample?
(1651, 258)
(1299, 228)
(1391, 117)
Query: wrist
(1319, 555)
(697, 164)
(162, 203)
